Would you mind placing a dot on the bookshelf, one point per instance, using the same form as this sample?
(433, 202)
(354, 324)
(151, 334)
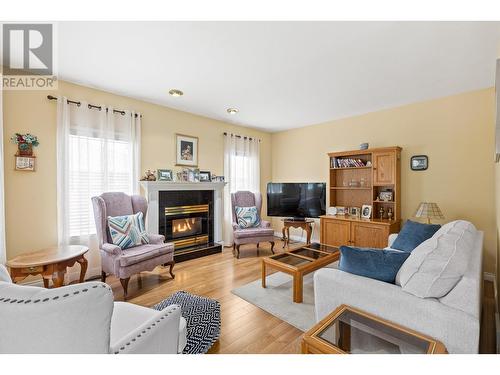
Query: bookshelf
(357, 178)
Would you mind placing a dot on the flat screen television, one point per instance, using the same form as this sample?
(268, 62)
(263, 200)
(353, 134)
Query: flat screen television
(296, 200)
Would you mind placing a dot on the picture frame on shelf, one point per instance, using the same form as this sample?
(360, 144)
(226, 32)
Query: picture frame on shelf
(186, 150)
(193, 174)
(341, 210)
(217, 178)
(385, 196)
(366, 211)
(165, 175)
(331, 211)
(205, 176)
(354, 211)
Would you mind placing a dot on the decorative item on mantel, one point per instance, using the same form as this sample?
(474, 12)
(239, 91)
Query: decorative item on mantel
(25, 160)
(429, 210)
(149, 175)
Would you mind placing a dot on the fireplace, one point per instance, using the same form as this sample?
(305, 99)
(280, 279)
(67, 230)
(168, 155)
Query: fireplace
(187, 220)
(187, 225)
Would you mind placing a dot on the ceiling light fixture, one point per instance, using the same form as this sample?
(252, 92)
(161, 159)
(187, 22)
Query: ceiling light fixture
(232, 111)
(176, 93)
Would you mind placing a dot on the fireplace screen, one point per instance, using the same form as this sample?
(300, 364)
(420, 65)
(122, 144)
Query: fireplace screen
(186, 227)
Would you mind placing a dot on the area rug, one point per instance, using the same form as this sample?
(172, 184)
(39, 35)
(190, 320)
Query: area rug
(276, 299)
(202, 320)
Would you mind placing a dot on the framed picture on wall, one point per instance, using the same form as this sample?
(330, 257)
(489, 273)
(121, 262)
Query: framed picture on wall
(186, 153)
(25, 163)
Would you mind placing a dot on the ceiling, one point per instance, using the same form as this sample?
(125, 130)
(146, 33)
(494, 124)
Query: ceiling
(280, 75)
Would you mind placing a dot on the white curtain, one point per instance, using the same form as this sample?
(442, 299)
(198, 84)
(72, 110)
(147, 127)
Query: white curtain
(97, 151)
(3, 254)
(241, 172)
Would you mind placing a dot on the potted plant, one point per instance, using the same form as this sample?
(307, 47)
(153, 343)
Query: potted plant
(25, 143)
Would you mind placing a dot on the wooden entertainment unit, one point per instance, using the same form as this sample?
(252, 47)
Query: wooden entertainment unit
(357, 178)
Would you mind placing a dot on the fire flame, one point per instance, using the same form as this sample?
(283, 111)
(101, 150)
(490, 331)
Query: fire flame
(185, 226)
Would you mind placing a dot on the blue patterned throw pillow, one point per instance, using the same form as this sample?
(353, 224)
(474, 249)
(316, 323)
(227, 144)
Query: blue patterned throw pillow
(248, 217)
(128, 231)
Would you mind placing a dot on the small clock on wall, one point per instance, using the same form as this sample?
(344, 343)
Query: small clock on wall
(419, 163)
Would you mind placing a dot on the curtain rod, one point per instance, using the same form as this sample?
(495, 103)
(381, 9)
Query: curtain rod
(240, 136)
(90, 106)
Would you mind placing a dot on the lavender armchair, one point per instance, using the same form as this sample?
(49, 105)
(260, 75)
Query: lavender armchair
(263, 233)
(125, 263)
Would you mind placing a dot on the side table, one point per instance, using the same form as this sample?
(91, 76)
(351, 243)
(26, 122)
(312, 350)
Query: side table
(51, 263)
(348, 330)
(304, 224)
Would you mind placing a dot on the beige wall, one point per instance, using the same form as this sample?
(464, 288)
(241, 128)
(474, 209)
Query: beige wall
(31, 197)
(457, 133)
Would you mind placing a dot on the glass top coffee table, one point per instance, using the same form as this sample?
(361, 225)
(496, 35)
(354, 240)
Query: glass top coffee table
(348, 330)
(299, 262)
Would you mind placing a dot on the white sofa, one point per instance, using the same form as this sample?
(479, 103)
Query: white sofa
(453, 319)
(83, 318)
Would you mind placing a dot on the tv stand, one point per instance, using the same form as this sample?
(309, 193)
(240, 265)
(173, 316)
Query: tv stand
(303, 223)
(295, 219)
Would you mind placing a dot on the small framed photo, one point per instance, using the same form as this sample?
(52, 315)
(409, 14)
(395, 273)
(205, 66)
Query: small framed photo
(366, 211)
(331, 210)
(165, 175)
(217, 178)
(385, 196)
(354, 211)
(340, 210)
(25, 163)
(419, 162)
(186, 150)
(205, 176)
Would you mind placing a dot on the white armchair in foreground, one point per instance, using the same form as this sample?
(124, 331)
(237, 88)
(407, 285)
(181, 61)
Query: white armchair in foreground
(83, 318)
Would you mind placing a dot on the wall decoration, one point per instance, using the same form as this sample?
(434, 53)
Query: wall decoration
(25, 163)
(419, 163)
(149, 176)
(25, 143)
(205, 176)
(186, 150)
(366, 211)
(165, 175)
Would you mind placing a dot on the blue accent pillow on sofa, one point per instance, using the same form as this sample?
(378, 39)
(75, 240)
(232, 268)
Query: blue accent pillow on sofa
(413, 234)
(376, 264)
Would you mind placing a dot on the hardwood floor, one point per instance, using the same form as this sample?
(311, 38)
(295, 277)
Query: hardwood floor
(245, 327)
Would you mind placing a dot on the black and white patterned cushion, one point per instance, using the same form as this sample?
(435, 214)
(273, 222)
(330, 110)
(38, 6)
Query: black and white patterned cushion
(202, 317)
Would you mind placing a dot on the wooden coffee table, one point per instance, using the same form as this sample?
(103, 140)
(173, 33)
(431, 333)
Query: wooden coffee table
(51, 263)
(348, 330)
(299, 262)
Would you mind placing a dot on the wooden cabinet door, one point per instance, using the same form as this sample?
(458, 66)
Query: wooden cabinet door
(369, 235)
(335, 232)
(384, 168)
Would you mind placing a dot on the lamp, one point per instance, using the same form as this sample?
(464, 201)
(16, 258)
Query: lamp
(429, 210)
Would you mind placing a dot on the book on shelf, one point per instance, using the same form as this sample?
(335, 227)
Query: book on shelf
(346, 163)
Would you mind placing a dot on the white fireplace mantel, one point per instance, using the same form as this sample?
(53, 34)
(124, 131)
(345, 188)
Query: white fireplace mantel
(152, 189)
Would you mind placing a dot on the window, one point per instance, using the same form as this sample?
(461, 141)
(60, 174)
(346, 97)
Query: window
(97, 151)
(96, 165)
